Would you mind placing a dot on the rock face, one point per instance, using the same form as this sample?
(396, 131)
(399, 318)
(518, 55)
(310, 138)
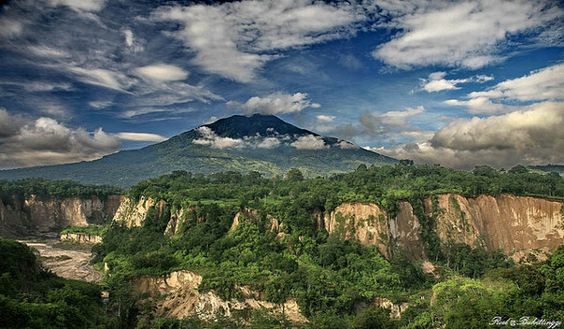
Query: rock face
(133, 214)
(37, 215)
(81, 238)
(506, 222)
(176, 295)
(512, 224)
(365, 222)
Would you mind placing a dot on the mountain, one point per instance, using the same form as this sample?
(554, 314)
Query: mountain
(263, 143)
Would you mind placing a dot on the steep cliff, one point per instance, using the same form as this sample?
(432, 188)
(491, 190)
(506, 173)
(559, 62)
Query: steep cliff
(512, 224)
(133, 214)
(506, 222)
(176, 295)
(37, 215)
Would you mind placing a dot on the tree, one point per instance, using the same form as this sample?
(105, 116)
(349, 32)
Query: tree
(294, 175)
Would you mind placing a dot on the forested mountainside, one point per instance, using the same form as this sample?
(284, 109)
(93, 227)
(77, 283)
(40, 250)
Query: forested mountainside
(262, 143)
(398, 246)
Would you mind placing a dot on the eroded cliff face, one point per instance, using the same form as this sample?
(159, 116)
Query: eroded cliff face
(176, 295)
(80, 238)
(365, 222)
(133, 214)
(506, 222)
(512, 224)
(37, 215)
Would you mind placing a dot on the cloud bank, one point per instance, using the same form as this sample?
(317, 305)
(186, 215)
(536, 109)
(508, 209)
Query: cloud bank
(532, 135)
(28, 142)
(276, 103)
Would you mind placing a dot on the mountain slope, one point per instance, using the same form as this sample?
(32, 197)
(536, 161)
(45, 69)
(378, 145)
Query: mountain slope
(259, 142)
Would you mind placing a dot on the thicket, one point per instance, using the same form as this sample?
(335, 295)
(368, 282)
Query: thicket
(57, 189)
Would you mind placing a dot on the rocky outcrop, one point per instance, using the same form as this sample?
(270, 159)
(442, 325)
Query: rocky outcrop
(174, 225)
(396, 310)
(247, 213)
(133, 214)
(176, 295)
(81, 238)
(513, 224)
(37, 215)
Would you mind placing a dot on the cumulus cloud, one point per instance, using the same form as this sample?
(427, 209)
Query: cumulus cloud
(389, 125)
(546, 84)
(277, 103)
(140, 137)
(306, 142)
(43, 141)
(309, 142)
(468, 34)
(269, 143)
(210, 138)
(162, 72)
(26, 141)
(325, 118)
(437, 82)
(236, 39)
(532, 135)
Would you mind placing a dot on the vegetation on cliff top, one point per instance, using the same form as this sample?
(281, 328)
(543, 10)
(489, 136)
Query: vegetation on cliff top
(334, 281)
(57, 189)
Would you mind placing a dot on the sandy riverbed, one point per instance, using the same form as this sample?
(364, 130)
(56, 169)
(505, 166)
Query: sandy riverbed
(67, 261)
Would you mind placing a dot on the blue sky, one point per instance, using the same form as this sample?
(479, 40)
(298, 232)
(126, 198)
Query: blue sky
(461, 84)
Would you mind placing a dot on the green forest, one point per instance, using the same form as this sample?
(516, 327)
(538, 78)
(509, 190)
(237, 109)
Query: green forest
(334, 281)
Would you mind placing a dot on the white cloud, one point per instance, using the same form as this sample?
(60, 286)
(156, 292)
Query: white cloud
(468, 34)
(80, 5)
(210, 138)
(131, 43)
(100, 104)
(347, 145)
(235, 39)
(532, 135)
(481, 105)
(129, 38)
(140, 137)
(43, 141)
(102, 77)
(277, 103)
(44, 51)
(543, 84)
(399, 118)
(161, 72)
(325, 118)
(437, 82)
(269, 143)
(546, 84)
(309, 142)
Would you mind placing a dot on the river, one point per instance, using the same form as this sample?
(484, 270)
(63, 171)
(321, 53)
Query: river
(70, 261)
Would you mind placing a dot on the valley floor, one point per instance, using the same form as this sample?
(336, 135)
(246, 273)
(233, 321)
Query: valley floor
(65, 260)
